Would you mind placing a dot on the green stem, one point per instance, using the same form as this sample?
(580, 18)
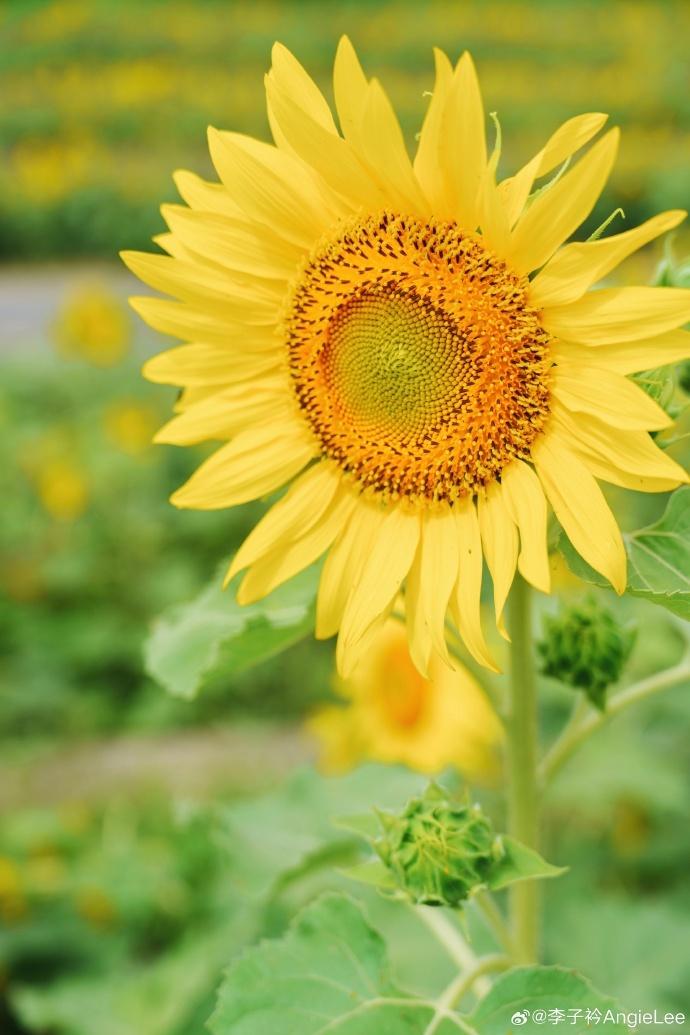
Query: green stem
(448, 935)
(523, 804)
(494, 920)
(463, 983)
(582, 725)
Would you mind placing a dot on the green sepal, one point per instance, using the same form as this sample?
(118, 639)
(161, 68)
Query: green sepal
(519, 862)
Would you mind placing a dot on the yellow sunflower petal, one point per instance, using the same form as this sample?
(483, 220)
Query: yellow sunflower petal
(627, 458)
(205, 196)
(567, 139)
(195, 394)
(192, 322)
(464, 133)
(428, 162)
(295, 81)
(525, 498)
(206, 365)
(383, 149)
(227, 412)
(628, 357)
(373, 595)
(343, 565)
(234, 244)
(172, 245)
(286, 561)
(580, 507)
(350, 87)
(285, 201)
(555, 214)
(577, 266)
(493, 216)
(608, 396)
(436, 573)
(612, 315)
(500, 541)
(296, 513)
(330, 155)
(206, 289)
(255, 463)
(467, 602)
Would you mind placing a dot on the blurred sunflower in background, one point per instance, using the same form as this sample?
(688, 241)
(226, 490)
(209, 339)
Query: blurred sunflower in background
(391, 713)
(92, 324)
(413, 347)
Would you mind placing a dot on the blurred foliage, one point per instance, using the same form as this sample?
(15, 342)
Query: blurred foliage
(91, 552)
(104, 98)
(124, 917)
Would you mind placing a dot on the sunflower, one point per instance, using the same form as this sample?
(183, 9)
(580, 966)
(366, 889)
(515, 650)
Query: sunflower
(412, 348)
(391, 713)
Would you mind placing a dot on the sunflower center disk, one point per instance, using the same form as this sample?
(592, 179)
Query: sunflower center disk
(416, 359)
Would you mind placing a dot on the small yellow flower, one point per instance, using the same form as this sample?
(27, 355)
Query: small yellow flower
(13, 905)
(93, 325)
(393, 714)
(130, 426)
(62, 489)
(46, 873)
(10, 881)
(96, 907)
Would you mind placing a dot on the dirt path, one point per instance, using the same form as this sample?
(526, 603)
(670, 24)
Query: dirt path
(185, 764)
(31, 295)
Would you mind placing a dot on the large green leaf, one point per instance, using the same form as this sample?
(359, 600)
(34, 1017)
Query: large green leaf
(658, 558)
(329, 973)
(280, 834)
(535, 999)
(189, 641)
(155, 999)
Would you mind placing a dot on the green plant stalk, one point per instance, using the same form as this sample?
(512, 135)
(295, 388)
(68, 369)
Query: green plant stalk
(586, 721)
(522, 788)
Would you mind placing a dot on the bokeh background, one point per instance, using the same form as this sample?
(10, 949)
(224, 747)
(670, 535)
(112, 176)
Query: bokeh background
(116, 897)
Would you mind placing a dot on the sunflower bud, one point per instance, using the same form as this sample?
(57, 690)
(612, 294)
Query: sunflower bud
(438, 851)
(586, 647)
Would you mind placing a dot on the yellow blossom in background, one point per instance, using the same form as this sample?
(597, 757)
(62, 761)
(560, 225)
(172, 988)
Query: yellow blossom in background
(46, 873)
(12, 902)
(96, 907)
(391, 713)
(130, 426)
(62, 489)
(93, 325)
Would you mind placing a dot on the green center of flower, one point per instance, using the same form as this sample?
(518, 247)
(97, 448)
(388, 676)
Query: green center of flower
(416, 358)
(389, 360)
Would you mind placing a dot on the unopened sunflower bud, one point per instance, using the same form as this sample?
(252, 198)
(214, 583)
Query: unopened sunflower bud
(438, 851)
(586, 647)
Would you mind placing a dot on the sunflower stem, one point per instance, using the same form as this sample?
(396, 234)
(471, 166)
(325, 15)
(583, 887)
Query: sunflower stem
(522, 792)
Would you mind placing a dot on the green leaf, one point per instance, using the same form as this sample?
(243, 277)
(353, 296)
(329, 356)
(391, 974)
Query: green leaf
(660, 385)
(329, 973)
(658, 558)
(155, 999)
(520, 863)
(286, 833)
(535, 999)
(189, 641)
